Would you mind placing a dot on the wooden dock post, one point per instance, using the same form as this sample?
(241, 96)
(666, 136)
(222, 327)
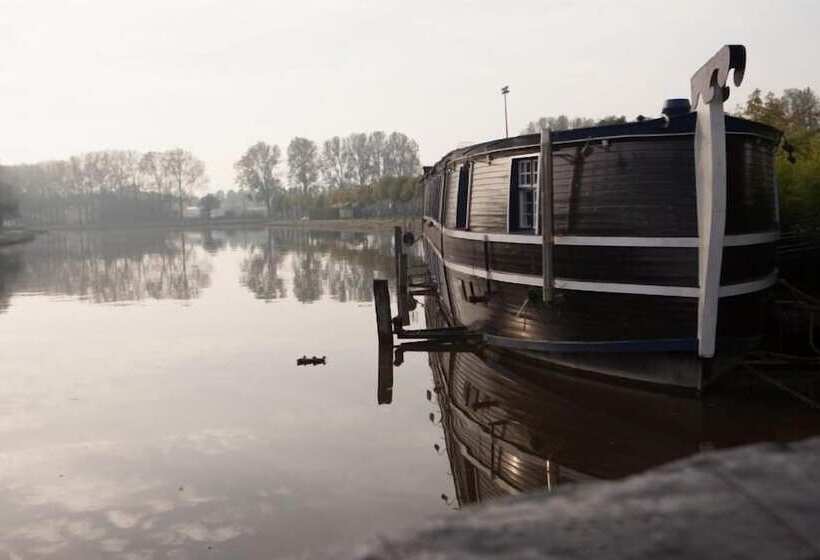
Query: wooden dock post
(545, 190)
(384, 384)
(401, 277)
(381, 298)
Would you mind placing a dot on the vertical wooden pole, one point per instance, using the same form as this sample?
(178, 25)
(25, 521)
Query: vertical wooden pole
(404, 306)
(545, 198)
(381, 298)
(401, 277)
(384, 383)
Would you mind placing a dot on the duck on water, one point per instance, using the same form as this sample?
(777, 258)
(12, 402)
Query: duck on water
(642, 250)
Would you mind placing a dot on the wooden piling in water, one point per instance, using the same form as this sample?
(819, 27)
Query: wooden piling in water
(381, 299)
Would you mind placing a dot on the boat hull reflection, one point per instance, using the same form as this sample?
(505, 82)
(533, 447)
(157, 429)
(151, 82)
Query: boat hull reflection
(510, 426)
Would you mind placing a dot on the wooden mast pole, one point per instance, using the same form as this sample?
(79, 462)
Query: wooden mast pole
(545, 198)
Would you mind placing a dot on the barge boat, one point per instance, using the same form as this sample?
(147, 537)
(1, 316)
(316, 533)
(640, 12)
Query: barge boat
(642, 250)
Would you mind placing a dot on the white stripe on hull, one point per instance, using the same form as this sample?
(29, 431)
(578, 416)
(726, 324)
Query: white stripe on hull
(609, 241)
(605, 287)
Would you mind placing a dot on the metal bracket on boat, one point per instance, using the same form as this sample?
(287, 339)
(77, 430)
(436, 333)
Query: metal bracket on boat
(708, 85)
(471, 296)
(451, 339)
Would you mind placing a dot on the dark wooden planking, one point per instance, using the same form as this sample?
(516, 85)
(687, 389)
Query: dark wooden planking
(750, 185)
(746, 263)
(451, 196)
(432, 196)
(635, 188)
(741, 316)
(639, 187)
(490, 188)
(574, 315)
(662, 266)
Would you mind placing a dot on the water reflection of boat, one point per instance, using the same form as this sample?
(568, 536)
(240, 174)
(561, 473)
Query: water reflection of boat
(510, 428)
(643, 250)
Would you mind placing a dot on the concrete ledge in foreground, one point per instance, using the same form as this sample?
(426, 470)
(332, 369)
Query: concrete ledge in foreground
(761, 501)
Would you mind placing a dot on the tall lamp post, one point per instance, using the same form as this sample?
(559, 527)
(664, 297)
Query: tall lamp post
(504, 91)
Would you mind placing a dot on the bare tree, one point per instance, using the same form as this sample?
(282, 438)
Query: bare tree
(377, 146)
(359, 163)
(256, 172)
(303, 164)
(186, 172)
(334, 163)
(401, 156)
(152, 168)
(561, 122)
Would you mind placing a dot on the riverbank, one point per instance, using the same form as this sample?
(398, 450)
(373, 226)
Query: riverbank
(14, 236)
(352, 225)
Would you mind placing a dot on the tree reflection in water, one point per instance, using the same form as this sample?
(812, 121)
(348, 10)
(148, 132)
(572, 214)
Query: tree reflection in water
(339, 264)
(107, 267)
(10, 265)
(259, 271)
(125, 266)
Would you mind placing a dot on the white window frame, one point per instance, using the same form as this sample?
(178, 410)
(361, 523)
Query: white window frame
(535, 191)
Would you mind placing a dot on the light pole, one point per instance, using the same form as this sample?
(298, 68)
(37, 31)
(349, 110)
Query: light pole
(504, 91)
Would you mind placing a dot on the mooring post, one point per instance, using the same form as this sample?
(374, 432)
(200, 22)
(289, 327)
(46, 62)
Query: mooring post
(381, 299)
(401, 277)
(545, 189)
(709, 91)
(384, 383)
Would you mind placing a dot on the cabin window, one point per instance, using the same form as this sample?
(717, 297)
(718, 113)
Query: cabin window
(524, 182)
(463, 199)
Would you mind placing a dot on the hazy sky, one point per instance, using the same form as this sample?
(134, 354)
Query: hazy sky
(216, 76)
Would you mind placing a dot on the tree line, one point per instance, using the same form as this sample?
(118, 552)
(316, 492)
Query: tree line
(563, 122)
(796, 112)
(358, 169)
(109, 186)
(126, 186)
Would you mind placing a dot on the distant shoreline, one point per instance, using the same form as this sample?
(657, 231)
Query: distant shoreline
(15, 236)
(352, 224)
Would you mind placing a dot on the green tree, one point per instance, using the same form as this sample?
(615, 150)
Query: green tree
(611, 119)
(561, 122)
(186, 172)
(208, 204)
(256, 172)
(9, 203)
(797, 114)
(303, 164)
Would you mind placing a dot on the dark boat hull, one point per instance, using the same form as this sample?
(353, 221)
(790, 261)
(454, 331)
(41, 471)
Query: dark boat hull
(625, 255)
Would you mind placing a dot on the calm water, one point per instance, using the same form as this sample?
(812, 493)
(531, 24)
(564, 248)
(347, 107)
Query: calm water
(151, 406)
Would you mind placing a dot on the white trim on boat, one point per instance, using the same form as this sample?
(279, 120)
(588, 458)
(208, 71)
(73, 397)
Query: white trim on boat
(751, 238)
(729, 290)
(618, 288)
(522, 238)
(535, 147)
(609, 241)
(605, 241)
(606, 287)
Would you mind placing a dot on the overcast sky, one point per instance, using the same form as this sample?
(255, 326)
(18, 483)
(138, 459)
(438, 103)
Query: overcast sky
(216, 76)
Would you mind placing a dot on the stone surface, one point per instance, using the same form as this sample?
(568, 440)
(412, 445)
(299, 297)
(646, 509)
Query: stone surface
(761, 501)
